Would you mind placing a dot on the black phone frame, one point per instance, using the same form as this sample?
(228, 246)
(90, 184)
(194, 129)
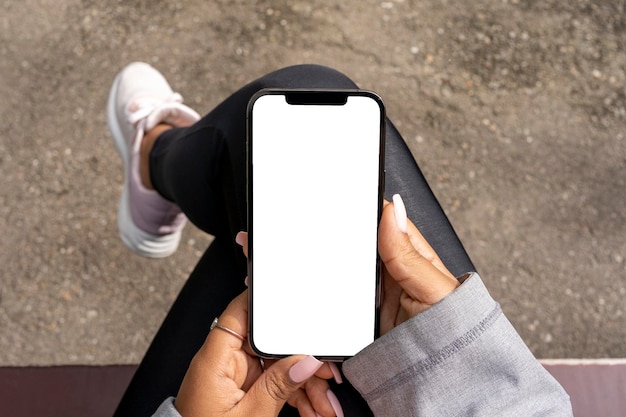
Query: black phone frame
(314, 96)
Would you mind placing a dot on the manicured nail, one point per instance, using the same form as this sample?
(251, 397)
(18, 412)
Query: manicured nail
(304, 369)
(400, 211)
(246, 281)
(334, 402)
(240, 239)
(336, 374)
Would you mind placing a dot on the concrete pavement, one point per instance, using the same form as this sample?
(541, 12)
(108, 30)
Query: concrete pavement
(515, 110)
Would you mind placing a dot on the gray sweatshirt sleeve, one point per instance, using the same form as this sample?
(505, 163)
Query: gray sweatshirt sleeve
(167, 409)
(460, 357)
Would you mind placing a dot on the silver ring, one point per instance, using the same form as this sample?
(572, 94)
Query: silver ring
(220, 326)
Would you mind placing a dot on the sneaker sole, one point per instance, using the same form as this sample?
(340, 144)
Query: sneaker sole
(137, 240)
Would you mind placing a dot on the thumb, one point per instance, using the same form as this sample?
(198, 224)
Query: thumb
(409, 259)
(272, 389)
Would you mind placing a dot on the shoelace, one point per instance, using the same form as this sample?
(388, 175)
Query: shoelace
(145, 107)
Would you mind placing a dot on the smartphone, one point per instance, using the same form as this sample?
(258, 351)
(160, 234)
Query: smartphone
(315, 192)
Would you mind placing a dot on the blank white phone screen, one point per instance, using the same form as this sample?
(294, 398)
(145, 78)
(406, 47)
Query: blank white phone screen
(315, 193)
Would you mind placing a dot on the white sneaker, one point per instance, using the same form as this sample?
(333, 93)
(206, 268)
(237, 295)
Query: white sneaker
(139, 100)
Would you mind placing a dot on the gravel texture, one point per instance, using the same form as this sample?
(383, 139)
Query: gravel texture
(514, 109)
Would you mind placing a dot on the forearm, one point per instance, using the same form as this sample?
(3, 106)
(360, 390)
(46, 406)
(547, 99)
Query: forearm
(460, 357)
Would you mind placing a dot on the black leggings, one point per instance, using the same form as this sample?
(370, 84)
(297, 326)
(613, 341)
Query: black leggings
(202, 169)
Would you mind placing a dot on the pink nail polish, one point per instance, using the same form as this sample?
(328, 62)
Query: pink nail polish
(304, 369)
(239, 238)
(399, 210)
(246, 281)
(336, 374)
(334, 402)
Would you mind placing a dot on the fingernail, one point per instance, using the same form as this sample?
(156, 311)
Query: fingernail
(304, 369)
(240, 238)
(336, 374)
(334, 402)
(246, 281)
(400, 212)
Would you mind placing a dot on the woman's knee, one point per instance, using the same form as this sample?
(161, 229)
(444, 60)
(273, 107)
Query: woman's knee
(307, 76)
